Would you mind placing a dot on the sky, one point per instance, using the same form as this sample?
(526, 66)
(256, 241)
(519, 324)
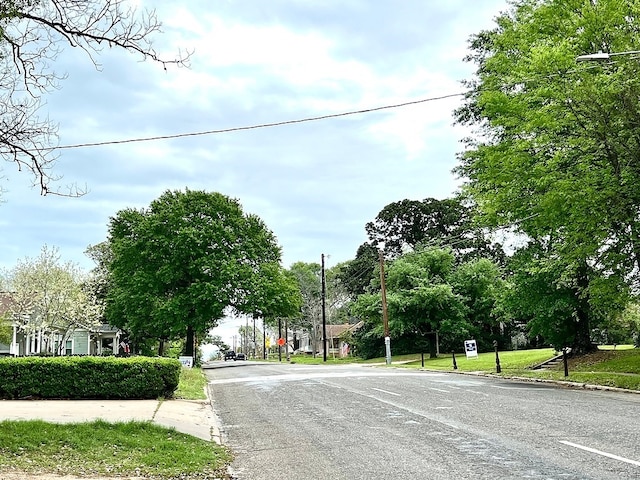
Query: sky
(314, 184)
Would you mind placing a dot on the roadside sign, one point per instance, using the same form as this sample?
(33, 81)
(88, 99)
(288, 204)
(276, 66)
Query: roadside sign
(281, 341)
(471, 349)
(186, 361)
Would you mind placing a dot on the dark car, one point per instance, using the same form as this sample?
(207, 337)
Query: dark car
(240, 356)
(229, 355)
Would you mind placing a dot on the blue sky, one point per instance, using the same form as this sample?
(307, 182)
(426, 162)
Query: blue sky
(314, 184)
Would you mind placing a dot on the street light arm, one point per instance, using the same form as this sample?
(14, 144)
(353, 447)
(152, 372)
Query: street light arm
(593, 57)
(602, 56)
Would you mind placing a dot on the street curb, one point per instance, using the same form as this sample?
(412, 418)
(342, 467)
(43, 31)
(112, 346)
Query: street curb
(215, 424)
(561, 383)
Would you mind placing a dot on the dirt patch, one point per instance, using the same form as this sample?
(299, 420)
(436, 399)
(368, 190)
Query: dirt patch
(582, 362)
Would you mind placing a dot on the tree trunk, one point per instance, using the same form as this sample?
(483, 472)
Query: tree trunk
(433, 352)
(189, 346)
(582, 341)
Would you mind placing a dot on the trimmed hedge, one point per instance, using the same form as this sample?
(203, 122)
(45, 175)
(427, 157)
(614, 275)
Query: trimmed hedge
(88, 377)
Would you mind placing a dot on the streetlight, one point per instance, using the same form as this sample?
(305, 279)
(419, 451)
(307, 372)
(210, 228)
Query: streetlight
(602, 56)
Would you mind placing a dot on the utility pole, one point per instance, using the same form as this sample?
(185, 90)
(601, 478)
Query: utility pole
(279, 337)
(286, 338)
(245, 348)
(255, 346)
(264, 339)
(324, 315)
(385, 317)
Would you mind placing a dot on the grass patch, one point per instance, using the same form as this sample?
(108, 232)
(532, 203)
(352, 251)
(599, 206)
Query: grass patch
(608, 367)
(309, 360)
(191, 385)
(486, 362)
(615, 361)
(101, 448)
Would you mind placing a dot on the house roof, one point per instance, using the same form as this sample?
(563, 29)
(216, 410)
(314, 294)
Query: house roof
(337, 330)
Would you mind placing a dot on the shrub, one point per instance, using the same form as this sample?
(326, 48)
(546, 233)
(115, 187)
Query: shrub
(88, 377)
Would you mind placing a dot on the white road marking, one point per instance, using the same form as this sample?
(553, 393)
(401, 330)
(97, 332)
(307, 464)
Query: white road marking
(319, 375)
(386, 391)
(439, 390)
(600, 452)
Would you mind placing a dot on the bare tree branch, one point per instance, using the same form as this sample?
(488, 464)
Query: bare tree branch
(32, 35)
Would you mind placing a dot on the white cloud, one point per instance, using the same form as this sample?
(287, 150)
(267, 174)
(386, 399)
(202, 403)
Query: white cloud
(315, 184)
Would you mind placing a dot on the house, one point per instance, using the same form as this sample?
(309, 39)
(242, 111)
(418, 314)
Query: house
(80, 340)
(337, 338)
(337, 344)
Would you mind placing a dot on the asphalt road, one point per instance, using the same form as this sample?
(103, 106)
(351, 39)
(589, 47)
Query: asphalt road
(356, 422)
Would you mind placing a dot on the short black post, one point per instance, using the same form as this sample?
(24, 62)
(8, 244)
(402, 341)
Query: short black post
(453, 356)
(422, 357)
(566, 363)
(495, 345)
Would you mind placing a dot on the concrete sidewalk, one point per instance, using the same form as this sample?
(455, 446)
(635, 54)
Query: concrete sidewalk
(193, 417)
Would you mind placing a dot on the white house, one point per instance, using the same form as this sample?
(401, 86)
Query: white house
(80, 340)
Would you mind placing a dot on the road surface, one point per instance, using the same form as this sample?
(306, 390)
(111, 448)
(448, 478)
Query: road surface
(288, 421)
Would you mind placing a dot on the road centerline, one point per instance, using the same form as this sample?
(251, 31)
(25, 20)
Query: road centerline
(600, 452)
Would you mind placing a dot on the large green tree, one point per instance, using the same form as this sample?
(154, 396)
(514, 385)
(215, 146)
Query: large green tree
(429, 291)
(177, 265)
(32, 34)
(406, 225)
(403, 226)
(555, 151)
(557, 142)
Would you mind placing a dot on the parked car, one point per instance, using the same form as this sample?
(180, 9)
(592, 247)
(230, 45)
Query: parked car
(229, 355)
(240, 356)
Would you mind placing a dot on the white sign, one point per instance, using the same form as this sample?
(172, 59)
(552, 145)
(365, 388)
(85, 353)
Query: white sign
(186, 361)
(471, 349)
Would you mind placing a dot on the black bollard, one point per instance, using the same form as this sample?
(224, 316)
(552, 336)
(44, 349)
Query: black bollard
(495, 345)
(566, 363)
(453, 356)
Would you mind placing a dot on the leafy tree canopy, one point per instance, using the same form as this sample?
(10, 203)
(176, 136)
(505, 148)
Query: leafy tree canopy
(177, 265)
(556, 146)
(407, 225)
(403, 226)
(428, 291)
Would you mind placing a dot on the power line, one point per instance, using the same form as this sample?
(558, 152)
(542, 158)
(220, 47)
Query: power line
(254, 127)
(281, 123)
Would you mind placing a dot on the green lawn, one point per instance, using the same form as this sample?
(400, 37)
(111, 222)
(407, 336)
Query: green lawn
(614, 368)
(510, 361)
(192, 384)
(139, 449)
